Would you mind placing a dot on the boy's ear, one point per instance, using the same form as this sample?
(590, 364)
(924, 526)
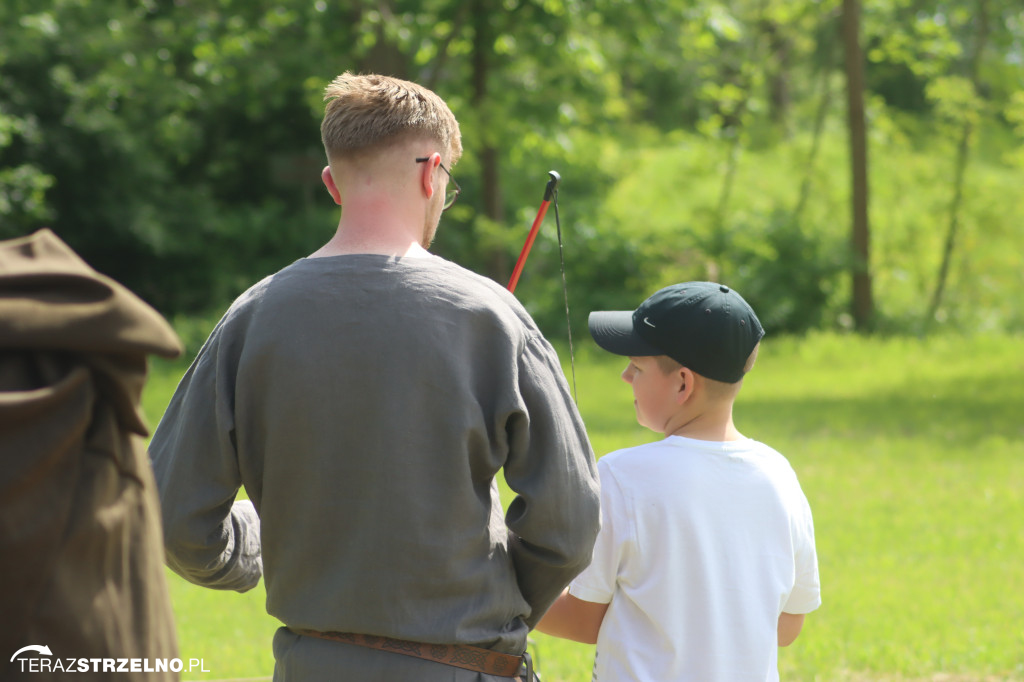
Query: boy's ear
(687, 386)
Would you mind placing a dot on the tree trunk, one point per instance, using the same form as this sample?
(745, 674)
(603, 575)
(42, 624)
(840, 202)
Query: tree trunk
(824, 93)
(490, 182)
(734, 122)
(437, 68)
(384, 57)
(962, 158)
(778, 74)
(863, 306)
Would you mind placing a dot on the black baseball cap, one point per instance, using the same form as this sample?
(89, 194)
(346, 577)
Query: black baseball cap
(704, 326)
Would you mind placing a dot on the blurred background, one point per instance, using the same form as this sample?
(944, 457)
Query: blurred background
(843, 167)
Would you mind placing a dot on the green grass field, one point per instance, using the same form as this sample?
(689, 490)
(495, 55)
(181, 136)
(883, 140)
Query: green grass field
(911, 453)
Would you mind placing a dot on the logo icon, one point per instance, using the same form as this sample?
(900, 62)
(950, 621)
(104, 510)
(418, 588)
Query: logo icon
(648, 322)
(33, 647)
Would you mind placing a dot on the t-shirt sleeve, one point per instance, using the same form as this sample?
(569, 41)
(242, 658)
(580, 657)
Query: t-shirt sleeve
(806, 594)
(614, 542)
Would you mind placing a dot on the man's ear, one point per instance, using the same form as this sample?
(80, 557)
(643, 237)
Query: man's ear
(687, 386)
(332, 188)
(427, 174)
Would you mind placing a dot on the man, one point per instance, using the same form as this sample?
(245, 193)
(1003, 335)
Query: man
(366, 397)
(80, 546)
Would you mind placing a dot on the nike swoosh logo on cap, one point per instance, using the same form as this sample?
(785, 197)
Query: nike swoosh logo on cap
(649, 323)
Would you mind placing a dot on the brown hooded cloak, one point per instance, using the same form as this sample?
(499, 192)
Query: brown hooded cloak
(81, 548)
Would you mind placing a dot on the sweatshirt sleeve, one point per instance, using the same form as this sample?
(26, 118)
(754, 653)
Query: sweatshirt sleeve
(554, 517)
(210, 538)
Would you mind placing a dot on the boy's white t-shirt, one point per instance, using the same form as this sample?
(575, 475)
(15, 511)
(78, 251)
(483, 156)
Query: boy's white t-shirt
(703, 544)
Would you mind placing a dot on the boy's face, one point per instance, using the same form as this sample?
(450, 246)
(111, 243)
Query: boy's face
(655, 392)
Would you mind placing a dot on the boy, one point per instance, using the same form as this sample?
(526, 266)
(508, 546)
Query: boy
(705, 561)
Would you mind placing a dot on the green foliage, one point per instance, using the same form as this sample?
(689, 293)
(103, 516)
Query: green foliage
(1014, 114)
(175, 145)
(787, 267)
(912, 195)
(154, 137)
(793, 268)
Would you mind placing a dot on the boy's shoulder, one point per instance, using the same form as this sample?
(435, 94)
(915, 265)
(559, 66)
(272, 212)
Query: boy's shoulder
(634, 452)
(626, 463)
(683, 444)
(679, 451)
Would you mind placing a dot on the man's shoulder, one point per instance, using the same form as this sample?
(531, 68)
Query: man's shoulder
(452, 273)
(239, 314)
(433, 285)
(246, 302)
(469, 289)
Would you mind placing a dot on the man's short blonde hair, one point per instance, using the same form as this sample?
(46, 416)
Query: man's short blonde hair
(369, 112)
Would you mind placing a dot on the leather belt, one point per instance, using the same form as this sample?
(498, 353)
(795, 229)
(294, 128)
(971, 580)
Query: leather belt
(458, 655)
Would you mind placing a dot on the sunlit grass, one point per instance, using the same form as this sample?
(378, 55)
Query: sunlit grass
(230, 632)
(911, 453)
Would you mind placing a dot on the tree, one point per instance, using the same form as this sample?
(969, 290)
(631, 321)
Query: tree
(863, 305)
(968, 113)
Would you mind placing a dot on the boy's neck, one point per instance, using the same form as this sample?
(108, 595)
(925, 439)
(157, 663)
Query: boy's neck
(710, 424)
